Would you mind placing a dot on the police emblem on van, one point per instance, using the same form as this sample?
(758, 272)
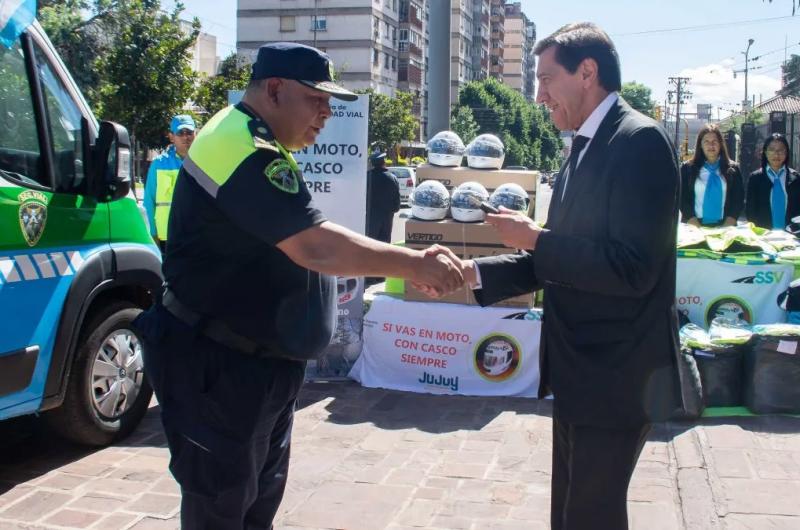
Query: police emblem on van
(32, 215)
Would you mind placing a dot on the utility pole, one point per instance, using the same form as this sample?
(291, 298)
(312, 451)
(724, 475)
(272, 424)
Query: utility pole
(745, 71)
(681, 95)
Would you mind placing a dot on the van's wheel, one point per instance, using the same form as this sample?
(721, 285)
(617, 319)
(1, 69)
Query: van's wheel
(107, 393)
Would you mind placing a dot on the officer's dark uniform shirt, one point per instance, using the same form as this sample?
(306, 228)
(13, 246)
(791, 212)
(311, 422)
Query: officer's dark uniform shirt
(239, 195)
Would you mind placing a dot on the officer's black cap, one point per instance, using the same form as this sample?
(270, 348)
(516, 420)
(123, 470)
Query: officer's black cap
(377, 157)
(302, 63)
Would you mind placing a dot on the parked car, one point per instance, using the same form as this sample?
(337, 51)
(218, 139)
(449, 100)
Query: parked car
(407, 178)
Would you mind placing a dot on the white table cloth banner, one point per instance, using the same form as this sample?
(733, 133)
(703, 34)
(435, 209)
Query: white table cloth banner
(449, 349)
(709, 288)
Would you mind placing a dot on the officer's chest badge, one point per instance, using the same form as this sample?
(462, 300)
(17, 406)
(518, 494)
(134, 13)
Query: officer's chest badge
(281, 175)
(32, 215)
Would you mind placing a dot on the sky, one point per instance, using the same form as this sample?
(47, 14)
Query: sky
(700, 39)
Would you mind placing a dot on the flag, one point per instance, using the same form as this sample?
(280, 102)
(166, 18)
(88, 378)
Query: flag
(15, 17)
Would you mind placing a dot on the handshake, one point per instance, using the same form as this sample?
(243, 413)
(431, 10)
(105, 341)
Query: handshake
(441, 272)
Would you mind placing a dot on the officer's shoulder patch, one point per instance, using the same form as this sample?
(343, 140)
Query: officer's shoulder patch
(280, 174)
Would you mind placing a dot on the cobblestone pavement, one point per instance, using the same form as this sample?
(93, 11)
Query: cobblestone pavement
(373, 459)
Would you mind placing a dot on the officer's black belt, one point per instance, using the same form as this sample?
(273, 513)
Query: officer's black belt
(212, 328)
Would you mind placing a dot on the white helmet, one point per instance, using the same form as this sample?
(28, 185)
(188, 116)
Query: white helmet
(466, 200)
(346, 289)
(486, 152)
(430, 201)
(512, 196)
(445, 149)
(497, 357)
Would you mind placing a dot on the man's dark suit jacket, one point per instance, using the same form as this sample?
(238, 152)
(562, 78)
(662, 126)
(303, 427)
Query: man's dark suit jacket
(758, 208)
(609, 341)
(734, 196)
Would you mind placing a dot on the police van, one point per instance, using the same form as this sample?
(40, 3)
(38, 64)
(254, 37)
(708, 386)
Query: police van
(77, 264)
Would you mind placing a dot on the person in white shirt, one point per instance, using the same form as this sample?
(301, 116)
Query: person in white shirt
(712, 193)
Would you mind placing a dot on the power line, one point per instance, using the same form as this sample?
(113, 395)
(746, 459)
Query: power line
(703, 27)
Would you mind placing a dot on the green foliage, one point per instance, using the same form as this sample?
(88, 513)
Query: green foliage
(147, 74)
(130, 59)
(525, 128)
(638, 96)
(735, 122)
(791, 77)
(390, 119)
(463, 124)
(212, 93)
(80, 30)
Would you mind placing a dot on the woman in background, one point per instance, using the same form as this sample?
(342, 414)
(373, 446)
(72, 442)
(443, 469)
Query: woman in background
(712, 193)
(773, 192)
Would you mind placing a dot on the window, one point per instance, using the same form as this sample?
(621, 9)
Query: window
(19, 143)
(394, 63)
(376, 57)
(64, 122)
(386, 60)
(320, 24)
(403, 35)
(376, 28)
(287, 24)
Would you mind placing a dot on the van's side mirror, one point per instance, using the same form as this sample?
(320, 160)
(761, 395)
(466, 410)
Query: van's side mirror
(111, 167)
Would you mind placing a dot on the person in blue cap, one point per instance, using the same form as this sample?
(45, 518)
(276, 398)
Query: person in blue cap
(250, 292)
(163, 174)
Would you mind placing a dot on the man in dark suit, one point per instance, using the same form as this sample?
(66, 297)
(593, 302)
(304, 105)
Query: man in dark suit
(606, 263)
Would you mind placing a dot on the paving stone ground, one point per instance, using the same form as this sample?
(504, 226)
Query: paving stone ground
(367, 459)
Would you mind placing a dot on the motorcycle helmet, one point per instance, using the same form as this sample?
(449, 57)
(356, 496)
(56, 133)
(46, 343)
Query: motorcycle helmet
(430, 201)
(466, 200)
(497, 357)
(445, 149)
(485, 152)
(346, 289)
(512, 196)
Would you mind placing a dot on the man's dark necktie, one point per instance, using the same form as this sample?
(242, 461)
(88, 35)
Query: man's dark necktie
(578, 143)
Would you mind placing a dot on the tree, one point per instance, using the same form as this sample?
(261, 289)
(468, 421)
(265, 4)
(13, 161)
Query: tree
(529, 136)
(212, 93)
(79, 30)
(390, 119)
(146, 74)
(791, 77)
(463, 124)
(638, 96)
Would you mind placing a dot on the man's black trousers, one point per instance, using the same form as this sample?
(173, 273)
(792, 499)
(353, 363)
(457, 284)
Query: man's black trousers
(228, 421)
(592, 467)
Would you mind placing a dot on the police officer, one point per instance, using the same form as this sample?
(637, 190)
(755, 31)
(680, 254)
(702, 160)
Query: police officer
(250, 295)
(383, 199)
(163, 174)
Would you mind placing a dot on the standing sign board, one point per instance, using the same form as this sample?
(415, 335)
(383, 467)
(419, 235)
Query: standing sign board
(335, 170)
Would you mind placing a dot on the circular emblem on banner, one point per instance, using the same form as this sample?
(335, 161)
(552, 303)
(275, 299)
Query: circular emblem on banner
(281, 175)
(497, 357)
(729, 307)
(32, 215)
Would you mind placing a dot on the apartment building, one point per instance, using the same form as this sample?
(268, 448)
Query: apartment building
(412, 49)
(360, 36)
(497, 25)
(519, 62)
(204, 59)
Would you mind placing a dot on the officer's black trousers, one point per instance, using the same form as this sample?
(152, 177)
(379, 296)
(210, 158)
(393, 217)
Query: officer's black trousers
(228, 420)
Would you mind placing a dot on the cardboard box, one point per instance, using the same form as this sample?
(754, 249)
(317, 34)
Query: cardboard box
(451, 177)
(467, 241)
